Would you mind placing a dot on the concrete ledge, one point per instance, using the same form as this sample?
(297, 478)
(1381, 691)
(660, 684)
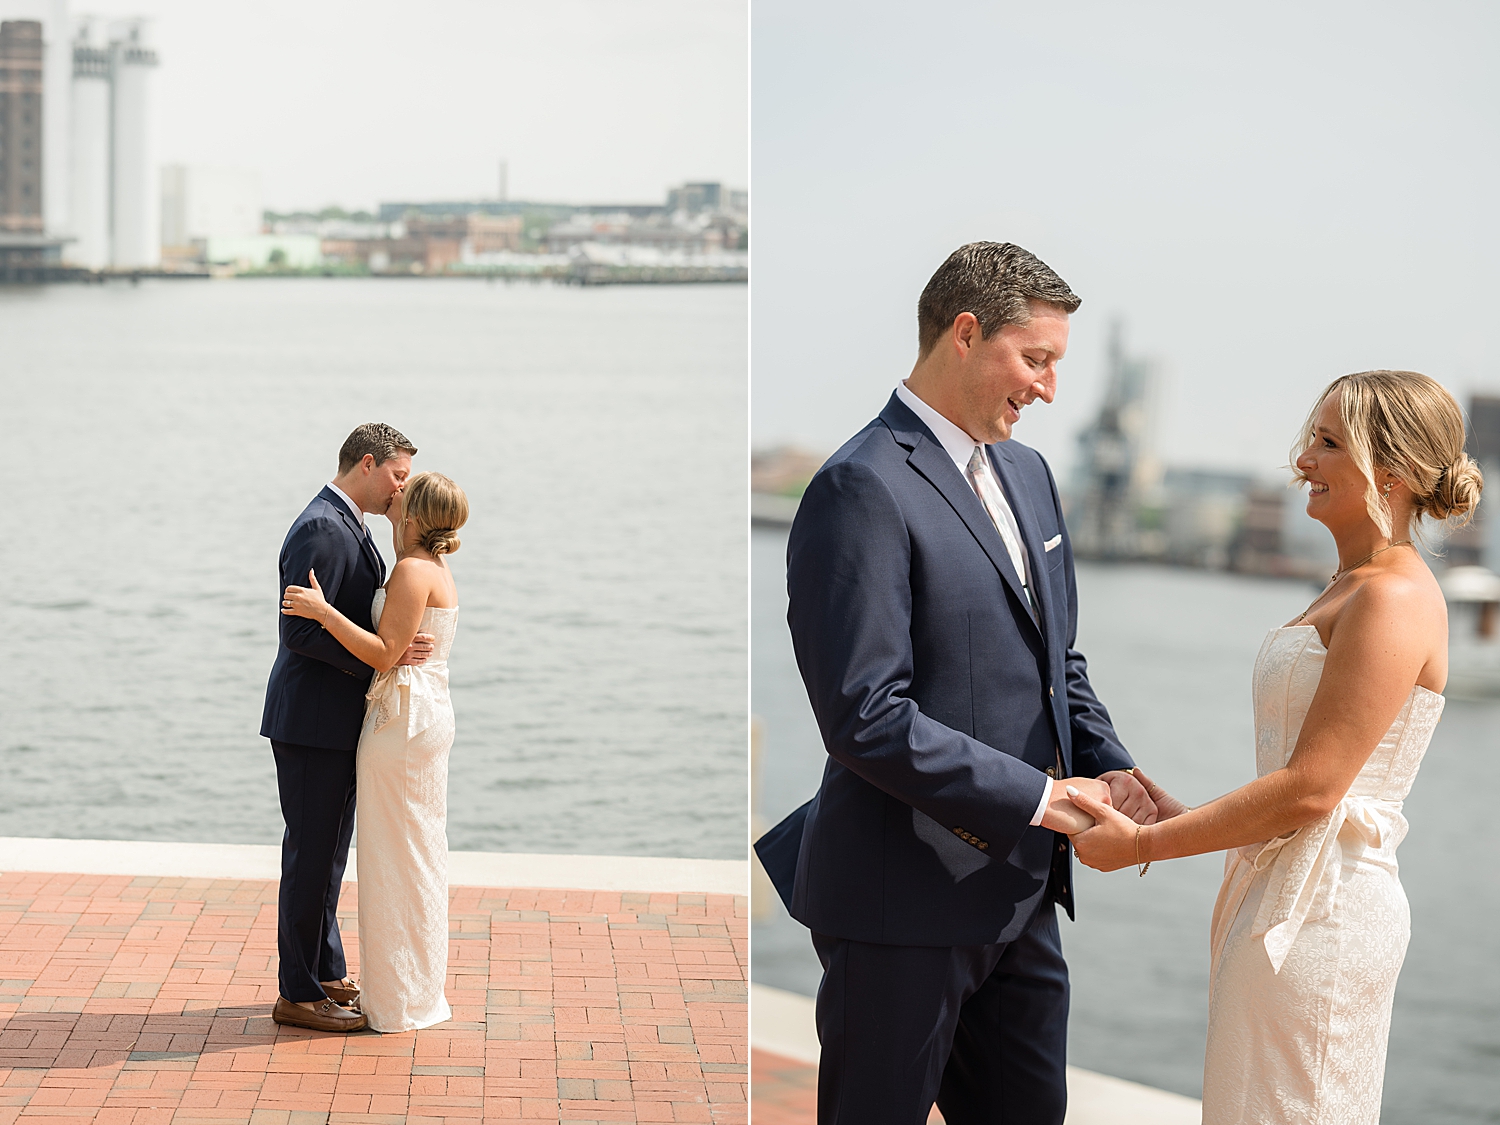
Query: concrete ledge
(782, 1023)
(465, 869)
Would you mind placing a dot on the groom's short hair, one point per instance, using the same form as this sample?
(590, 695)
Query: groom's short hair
(376, 438)
(996, 281)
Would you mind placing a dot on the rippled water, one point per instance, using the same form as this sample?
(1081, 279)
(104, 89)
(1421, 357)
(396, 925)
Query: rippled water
(159, 440)
(1170, 653)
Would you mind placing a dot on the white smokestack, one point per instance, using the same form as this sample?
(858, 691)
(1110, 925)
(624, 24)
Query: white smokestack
(88, 147)
(137, 184)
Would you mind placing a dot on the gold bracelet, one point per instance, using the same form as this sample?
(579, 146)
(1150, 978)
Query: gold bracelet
(1140, 871)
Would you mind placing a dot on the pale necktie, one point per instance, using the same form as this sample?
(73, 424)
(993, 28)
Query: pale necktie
(988, 491)
(370, 539)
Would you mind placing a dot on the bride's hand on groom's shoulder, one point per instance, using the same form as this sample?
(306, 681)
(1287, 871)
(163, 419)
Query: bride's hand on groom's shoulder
(304, 601)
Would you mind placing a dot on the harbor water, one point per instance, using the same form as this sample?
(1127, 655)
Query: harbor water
(1170, 653)
(160, 439)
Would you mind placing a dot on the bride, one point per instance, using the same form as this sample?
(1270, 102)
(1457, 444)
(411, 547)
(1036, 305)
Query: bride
(402, 761)
(1311, 923)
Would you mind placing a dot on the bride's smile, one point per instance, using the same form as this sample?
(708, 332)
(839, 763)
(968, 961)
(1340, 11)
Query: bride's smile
(1338, 490)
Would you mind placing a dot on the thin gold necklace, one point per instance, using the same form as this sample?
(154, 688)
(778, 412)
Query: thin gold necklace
(1347, 570)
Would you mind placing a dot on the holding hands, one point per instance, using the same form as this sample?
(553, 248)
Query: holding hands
(1065, 815)
(1113, 841)
(1115, 790)
(1130, 796)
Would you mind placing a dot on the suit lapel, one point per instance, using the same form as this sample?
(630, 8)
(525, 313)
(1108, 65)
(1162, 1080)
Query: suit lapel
(357, 529)
(1031, 532)
(931, 460)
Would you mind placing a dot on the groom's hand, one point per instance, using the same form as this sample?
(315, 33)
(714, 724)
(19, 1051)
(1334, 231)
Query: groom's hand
(1130, 796)
(1062, 814)
(1167, 806)
(419, 650)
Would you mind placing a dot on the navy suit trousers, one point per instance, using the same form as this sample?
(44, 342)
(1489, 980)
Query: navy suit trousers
(317, 803)
(982, 1030)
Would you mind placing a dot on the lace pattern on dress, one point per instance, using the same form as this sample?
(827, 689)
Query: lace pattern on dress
(416, 692)
(1302, 869)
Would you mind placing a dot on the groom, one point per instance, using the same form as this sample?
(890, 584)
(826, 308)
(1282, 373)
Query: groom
(933, 613)
(315, 706)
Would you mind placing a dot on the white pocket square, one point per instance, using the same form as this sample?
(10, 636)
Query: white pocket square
(1053, 542)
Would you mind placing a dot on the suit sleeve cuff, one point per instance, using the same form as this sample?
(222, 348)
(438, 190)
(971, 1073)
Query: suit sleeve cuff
(1041, 809)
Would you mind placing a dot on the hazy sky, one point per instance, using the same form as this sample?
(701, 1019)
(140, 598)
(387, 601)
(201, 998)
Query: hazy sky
(338, 101)
(1269, 195)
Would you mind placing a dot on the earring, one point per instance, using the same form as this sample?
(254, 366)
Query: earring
(1390, 484)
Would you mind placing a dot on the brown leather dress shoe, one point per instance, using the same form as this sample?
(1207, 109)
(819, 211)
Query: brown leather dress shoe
(326, 1016)
(345, 992)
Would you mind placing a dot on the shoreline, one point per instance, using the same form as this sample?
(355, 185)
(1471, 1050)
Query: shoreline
(652, 874)
(592, 276)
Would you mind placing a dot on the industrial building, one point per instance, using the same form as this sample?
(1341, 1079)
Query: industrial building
(26, 250)
(1123, 504)
(1115, 471)
(200, 202)
(88, 144)
(21, 126)
(135, 196)
(1478, 542)
(78, 154)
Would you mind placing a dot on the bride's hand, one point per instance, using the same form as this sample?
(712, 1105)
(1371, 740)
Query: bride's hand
(1063, 815)
(1110, 844)
(300, 601)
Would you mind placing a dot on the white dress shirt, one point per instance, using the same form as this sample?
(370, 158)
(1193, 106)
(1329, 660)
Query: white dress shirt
(960, 446)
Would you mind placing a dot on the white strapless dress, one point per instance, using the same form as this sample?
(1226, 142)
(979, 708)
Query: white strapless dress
(402, 801)
(1310, 929)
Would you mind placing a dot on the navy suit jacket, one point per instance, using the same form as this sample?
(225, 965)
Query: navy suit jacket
(316, 695)
(940, 699)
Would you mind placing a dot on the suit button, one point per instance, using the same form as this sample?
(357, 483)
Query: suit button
(1052, 772)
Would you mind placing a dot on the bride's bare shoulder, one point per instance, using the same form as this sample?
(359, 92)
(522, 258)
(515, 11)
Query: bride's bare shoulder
(414, 569)
(1404, 599)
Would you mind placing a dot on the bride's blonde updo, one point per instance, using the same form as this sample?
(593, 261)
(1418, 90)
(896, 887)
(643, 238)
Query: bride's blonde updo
(1408, 425)
(439, 508)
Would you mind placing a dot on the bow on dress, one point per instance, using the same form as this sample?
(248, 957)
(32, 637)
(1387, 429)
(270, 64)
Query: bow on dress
(425, 685)
(1304, 870)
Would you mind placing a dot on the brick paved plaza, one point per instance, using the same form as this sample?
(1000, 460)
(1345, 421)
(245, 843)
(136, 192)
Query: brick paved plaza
(146, 1001)
(786, 1091)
